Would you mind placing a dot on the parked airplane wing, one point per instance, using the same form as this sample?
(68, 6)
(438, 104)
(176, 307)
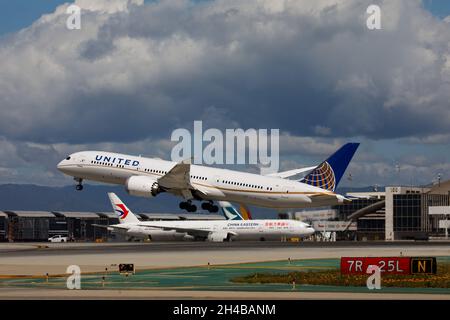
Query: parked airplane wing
(190, 231)
(110, 227)
(290, 173)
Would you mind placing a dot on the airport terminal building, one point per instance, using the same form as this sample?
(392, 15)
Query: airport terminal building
(77, 226)
(398, 213)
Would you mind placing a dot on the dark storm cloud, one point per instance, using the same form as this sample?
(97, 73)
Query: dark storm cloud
(309, 68)
(135, 72)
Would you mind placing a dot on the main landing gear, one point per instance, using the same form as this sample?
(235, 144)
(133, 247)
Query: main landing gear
(210, 207)
(187, 205)
(79, 186)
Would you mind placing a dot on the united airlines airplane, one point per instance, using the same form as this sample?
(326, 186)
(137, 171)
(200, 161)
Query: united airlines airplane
(235, 228)
(147, 177)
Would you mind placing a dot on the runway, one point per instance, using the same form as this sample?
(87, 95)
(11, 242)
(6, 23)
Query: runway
(177, 262)
(36, 248)
(53, 258)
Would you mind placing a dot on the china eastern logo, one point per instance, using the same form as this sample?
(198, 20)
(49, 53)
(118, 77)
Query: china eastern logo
(116, 160)
(123, 211)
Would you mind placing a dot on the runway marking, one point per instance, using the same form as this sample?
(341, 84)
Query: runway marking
(176, 276)
(280, 268)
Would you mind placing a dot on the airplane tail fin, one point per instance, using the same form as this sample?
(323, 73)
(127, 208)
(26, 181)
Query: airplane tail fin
(229, 211)
(245, 212)
(125, 215)
(329, 173)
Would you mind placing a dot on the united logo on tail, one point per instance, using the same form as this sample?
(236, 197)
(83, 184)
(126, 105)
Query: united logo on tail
(123, 212)
(329, 173)
(322, 177)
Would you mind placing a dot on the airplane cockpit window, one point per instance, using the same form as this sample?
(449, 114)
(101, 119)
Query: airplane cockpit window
(68, 158)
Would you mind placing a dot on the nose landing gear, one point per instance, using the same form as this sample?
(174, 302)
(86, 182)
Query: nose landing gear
(79, 186)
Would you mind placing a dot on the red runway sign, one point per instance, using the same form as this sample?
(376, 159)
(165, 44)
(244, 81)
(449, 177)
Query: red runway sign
(387, 265)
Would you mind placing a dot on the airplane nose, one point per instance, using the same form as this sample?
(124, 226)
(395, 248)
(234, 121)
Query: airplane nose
(311, 231)
(60, 166)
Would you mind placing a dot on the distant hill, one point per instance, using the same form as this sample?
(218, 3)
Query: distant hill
(94, 198)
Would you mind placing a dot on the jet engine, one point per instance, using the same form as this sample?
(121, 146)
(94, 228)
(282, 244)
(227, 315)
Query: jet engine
(219, 236)
(142, 186)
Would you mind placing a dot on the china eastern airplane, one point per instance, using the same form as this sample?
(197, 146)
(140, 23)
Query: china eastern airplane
(235, 228)
(147, 177)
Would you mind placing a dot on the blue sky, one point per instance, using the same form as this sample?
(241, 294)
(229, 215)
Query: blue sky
(439, 8)
(18, 14)
(162, 67)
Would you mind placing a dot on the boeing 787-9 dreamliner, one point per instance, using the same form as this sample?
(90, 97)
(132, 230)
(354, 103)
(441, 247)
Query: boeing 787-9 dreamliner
(147, 177)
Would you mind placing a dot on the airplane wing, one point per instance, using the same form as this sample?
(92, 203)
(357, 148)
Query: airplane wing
(110, 227)
(190, 231)
(290, 173)
(332, 196)
(178, 178)
(212, 235)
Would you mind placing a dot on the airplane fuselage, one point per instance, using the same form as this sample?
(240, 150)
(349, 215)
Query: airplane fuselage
(219, 184)
(250, 230)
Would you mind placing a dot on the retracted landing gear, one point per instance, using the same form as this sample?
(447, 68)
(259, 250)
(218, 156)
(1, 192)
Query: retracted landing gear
(79, 186)
(209, 206)
(187, 205)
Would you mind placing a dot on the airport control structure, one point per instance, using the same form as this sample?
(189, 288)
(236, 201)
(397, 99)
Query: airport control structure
(397, 213)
